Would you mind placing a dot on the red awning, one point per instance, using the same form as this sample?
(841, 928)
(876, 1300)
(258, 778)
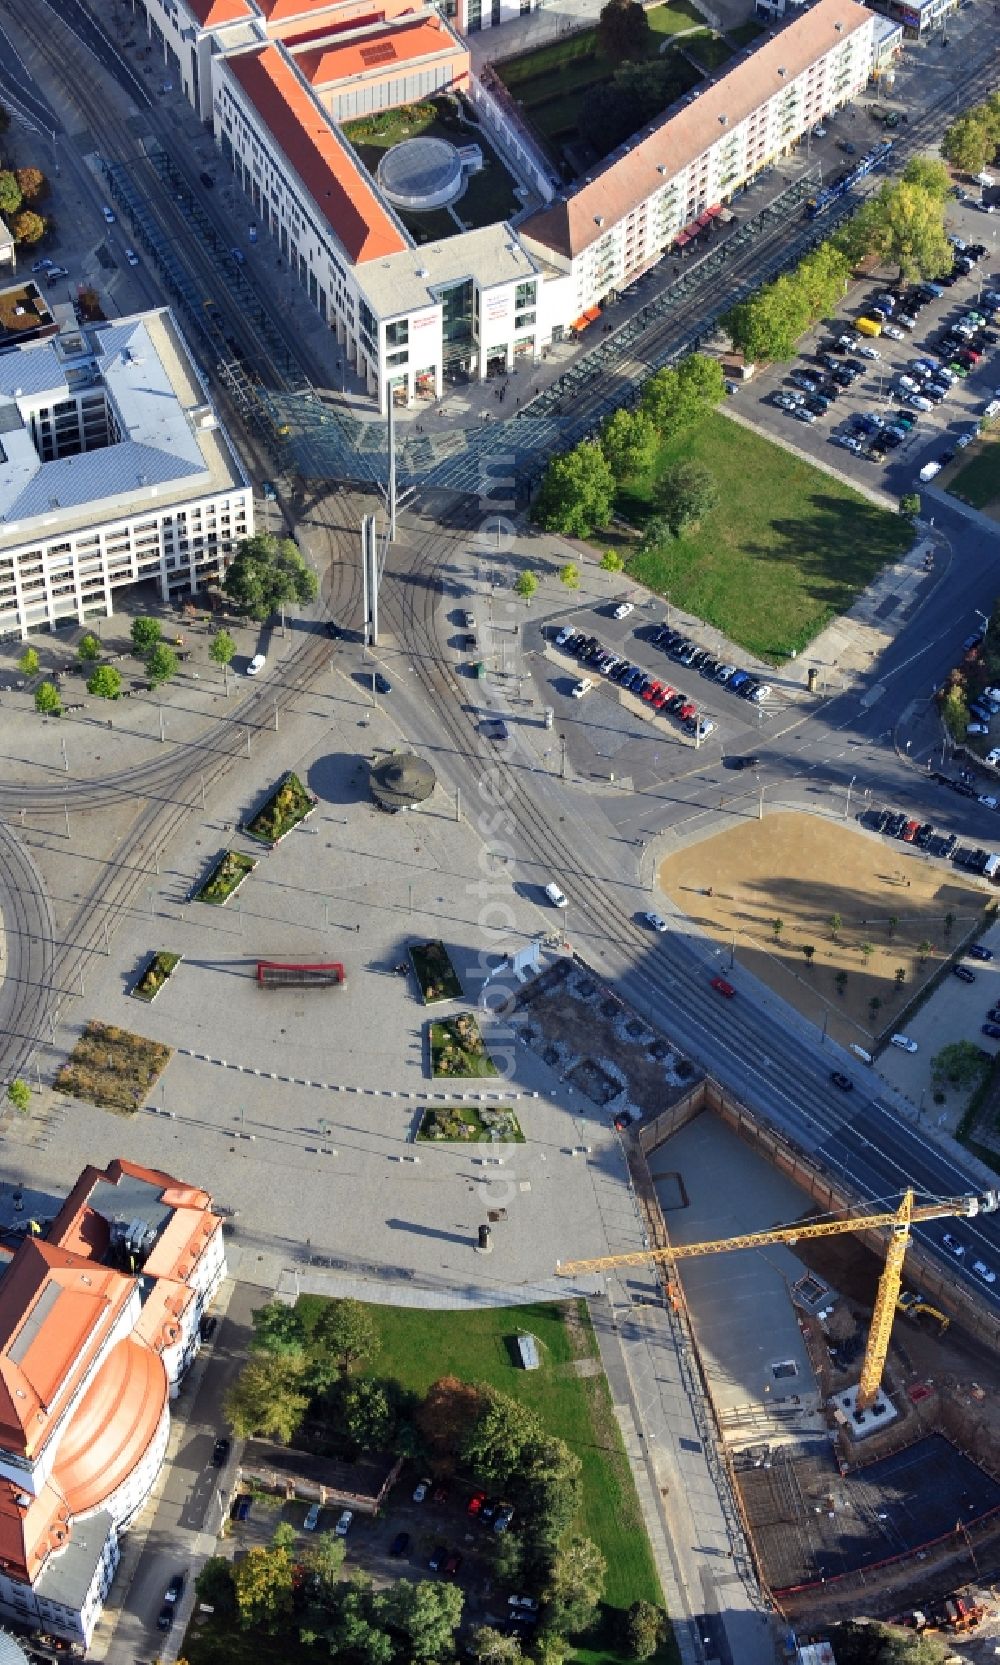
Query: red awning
(717, 209)
(682, 238)
(703, 220)
(581, 322)
(592, 313)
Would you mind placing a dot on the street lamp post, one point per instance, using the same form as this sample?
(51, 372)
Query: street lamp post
(562, 765)
(847, 806)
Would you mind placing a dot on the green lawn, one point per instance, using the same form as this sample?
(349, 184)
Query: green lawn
(746, 33)
(978, 482)
(419, 1346)
(489, 195)
(787, 550)
(674, 19)
(711, 51)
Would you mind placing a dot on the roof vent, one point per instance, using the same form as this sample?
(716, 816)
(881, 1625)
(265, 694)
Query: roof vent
(782, 71)
(422, 272)
(839, 28)
(661, 167)
(723, 120)
(598, 219)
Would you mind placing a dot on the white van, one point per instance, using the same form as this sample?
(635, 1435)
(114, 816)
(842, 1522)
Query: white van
(556, 896)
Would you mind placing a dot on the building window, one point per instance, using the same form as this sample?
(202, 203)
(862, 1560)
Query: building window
(398, 334)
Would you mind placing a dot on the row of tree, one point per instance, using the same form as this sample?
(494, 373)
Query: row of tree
(21, 190)
(578, 490)
(902, 224)
(972, 141)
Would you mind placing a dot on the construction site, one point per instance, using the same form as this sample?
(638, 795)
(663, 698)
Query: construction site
(855, 1384)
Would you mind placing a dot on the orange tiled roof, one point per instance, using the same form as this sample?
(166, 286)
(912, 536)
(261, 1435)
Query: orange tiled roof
(337, 184)
(212, 12)
(570, 227)
(280, 11)
(113, 1427)
(377, 53)
(30, 1528)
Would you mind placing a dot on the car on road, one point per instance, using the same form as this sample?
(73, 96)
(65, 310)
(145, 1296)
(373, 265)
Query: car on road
(842, 1081)
(903, 1042)
(175, 1589)
(978, 952)
(582, 687)
(343, 1525)
(720, 986)
(132, 257)
(494, 728)
(55, 274)
(109, 214)
(238, 256)
(220, 1452)
(741, 762)
(953, 1245)
(312, 1518)
(623, 609)
(256, 664)
(165, 1617)
(963, 973)
(555, 896)
(43, 265)
(400, 1544)
(983, 1271)
(422, 1488)
(656, 922)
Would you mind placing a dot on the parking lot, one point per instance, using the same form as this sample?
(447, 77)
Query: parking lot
(409, 1539)
(631, 689)
(876, 397)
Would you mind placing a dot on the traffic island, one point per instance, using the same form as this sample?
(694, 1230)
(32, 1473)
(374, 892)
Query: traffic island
(288, 805)
(155, 974)
(435, 973)
(458, 1050)
(225, 878)
(112, 1068)
(465, 1124)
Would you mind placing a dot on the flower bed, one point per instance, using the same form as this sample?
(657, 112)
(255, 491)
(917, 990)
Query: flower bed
(225, 878)
(157, 971)
(288, 804)
(112, 1068)
(464, 1124)
(458, 1050)
(435, 973)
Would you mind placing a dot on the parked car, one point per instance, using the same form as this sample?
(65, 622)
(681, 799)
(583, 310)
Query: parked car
(903, 1042)
(582, 687)
(978, 952)
(343, 1525)
(312, 1518)
(256, 664)
(175, 1589)
(983, 1271)
(421, 1489)
(220, 1452)
(953, 1245)
(400, 1544)
(963, 973)
(623, 609)
(475, 1503)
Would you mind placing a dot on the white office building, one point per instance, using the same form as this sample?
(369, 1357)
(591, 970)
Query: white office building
(114, 468)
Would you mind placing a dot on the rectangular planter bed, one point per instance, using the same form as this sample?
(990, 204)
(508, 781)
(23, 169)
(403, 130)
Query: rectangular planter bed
(288, 805)
(466, 1124)
(225, 878)
(458, 1051)
(435, 973)
(155, 974)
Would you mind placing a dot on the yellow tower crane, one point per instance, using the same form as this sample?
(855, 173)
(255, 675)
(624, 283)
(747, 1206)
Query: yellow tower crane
(899, 1221)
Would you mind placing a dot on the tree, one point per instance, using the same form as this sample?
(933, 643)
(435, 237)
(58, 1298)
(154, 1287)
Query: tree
(769, 323)
(924, 950)
(809, 952)
(353, 1631)
(623, 31)
(968, 143)
(892, 922)
(570, 576)
(266, 573)
(493, 1446)
(525, 585)
(323, 1561)
(491, 1647)
(105, 683)
(777, 926)
(284, 1536)
(904, 225)
(628, 440)
(268, 1397)
(635, 94)
(930, 174)
(19, 1095)
(29, 662)
(867, 950)
(28, 227)
(822, 278)
(47, 701)
(347, 1332)
(870, 1642)
(645, 1628)
(909, 505)
(949, 923)
(548, 1478)
(368, 1415)
(836, 925)
(685, 494)
(214, 1585)
(611, 561)
(162, 664)
(660, 398)
(955, 710)
(89, 649)
(278, 1329)
(428, 1615)
(222, 649)
(146, 633)
(32, 183)
(575, 1585)
(447, 1411)
(10, 195)
(577, 492)
(958, 1065)
(899, 977)
(262, 1581)
(677, 398)
(841, 981)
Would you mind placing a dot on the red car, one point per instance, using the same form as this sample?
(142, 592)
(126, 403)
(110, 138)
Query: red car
(720, 986)
(664, 693)
(910, 831)
(649, 693)
(687, 711)
(475, 1503)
